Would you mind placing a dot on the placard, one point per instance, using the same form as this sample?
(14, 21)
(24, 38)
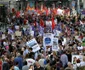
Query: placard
(48, 23)
(76, 59)
(3, 36)
(55, 46)
(33, 44)
(18, 33)
(48, 39)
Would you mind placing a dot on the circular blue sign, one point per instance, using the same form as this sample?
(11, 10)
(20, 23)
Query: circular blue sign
(47, 40)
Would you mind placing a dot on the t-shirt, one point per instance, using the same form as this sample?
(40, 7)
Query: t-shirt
(80, 47)
(16, 68)
(30, 62)
(25, 67)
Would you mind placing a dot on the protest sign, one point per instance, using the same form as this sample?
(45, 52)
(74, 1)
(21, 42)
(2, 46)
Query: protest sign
(33, 44)
(3, 36)
(47, 39)
(18, 33)
(77, 59)
(48, 23)
(55, 46)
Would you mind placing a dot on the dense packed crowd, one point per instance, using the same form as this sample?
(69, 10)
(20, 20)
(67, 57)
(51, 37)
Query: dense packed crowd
(17, 55)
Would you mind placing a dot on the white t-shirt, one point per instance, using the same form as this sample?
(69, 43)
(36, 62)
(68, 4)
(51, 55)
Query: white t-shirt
(80, 47)
(30, 62)
(16, 68)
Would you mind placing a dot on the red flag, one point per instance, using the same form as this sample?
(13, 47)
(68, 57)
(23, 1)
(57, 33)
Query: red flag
(41, 23)
(53, 23)
(18, 14)
(47, 12)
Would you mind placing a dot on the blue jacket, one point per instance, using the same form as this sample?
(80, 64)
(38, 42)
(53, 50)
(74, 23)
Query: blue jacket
(19, 59)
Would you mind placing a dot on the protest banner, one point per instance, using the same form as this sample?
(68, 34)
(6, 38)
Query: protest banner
(33, 44)
(77, 59)
(3, 36)
(47, 40)
(55, 46)
(48, 23)
(18, 33)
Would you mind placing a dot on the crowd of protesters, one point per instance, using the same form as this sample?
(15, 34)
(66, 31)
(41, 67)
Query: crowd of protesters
(16, 55)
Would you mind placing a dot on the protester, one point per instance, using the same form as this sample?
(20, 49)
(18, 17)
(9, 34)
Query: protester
(19, 61)
(5, 64)
(45, 40)
(16, 66)
(25, 67)
(38, 67)
(64, 59)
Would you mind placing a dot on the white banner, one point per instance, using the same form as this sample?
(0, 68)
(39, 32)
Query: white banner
(48, 39)
(55, 46)
(33, 44)
(3, 36)
(48, 23)
(76, 59)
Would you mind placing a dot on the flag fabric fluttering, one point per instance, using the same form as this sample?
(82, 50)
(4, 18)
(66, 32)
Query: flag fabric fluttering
(41, 22)
(53, 23)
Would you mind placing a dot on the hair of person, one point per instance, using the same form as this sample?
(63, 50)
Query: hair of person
(16, 63)
(30, 48)
(25, 63)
